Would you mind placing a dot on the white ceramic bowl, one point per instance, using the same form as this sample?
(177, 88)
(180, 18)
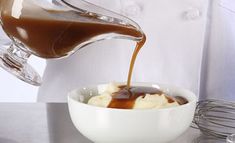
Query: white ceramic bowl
(106, 125)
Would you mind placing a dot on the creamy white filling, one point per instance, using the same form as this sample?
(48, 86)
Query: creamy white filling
(154, 101)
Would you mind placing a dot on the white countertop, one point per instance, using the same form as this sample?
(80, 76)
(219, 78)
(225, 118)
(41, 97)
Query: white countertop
(50, 123)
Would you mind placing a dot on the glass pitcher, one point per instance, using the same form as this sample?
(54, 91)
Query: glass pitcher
(55, 29)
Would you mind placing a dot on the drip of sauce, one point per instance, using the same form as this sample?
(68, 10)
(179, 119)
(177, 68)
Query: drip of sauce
(139, 45)
(170, 99)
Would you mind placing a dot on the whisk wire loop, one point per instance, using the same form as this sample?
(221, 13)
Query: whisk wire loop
(215, 117)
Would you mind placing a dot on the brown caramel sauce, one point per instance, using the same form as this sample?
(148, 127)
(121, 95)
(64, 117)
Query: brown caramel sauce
(125, 97)
(139, 45)
(54, 38)
(181, 100)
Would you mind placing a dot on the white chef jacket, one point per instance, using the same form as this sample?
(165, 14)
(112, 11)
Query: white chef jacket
(218, 68)
(174, 53)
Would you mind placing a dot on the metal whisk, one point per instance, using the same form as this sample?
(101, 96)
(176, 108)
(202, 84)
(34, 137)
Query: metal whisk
(215, 118)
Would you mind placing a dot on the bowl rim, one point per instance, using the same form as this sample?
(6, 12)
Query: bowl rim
(193, 98)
